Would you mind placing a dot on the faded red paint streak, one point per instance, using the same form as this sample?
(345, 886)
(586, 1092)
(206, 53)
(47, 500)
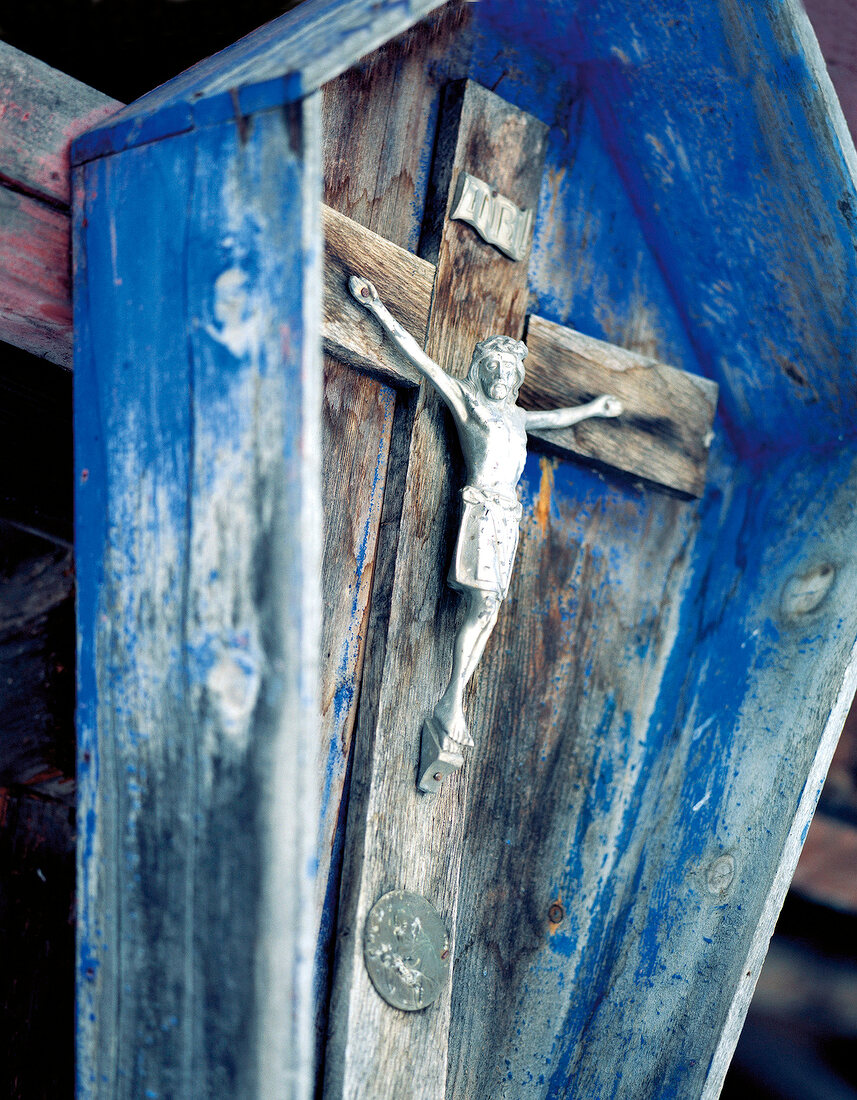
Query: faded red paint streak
(35, 246)
(44, 776)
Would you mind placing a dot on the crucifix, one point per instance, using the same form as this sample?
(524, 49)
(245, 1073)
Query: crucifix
(464, 286)
(492, 430)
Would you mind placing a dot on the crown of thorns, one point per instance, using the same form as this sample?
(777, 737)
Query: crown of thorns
(500, 343)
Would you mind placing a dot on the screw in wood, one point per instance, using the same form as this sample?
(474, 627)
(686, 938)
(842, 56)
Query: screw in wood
(556, 913)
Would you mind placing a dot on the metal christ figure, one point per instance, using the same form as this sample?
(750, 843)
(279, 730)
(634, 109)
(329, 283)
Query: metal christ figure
(492, 430)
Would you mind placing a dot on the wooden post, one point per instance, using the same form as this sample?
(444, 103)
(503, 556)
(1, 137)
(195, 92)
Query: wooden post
(198, 536)
(399, 838)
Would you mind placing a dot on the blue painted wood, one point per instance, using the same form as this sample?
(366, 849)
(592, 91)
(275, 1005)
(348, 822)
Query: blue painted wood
(735, 155)
(197, 406)
(752, 175)
(683, 748)
(672, 716)
(279, 63)
(740, 173)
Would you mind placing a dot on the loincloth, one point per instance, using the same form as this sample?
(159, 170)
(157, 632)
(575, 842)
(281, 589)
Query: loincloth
(487, 541)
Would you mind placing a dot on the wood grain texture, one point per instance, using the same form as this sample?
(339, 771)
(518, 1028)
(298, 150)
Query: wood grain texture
(35, 290)
(37, 796)
(665, 431)
(636, 1001)
(564, 703)
(198, 534)
(379, 120)
(398, 838)
(653, 767)
(407, 283)
(277, 64)
(41, 112)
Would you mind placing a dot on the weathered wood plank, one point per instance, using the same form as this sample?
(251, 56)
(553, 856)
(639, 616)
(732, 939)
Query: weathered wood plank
(41, 112)
(564, 703)
(666, 429)
(694, 695)
(350, 249)
(397, 837)
(730, 171)
(198, 534)
(276, 64)
(378, 120)
(664, 433)
(35, 292)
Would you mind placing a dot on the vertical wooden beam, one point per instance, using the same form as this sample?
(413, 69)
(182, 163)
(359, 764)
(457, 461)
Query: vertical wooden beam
(399, 838)
(198, 534)
(378, 119)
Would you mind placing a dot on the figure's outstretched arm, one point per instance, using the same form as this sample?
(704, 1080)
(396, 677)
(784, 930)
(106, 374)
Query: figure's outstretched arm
(606, 405)
(448, 387)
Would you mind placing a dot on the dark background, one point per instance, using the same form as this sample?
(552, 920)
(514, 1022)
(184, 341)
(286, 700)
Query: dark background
(799, 1039)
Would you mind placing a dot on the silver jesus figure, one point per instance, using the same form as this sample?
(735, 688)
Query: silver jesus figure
(492, 430)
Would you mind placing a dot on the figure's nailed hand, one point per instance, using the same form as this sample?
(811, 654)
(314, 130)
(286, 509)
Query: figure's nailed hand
(610, 405)
(362, 290)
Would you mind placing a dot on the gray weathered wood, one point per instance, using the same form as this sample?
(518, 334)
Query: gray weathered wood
(664, 433)
(378, 119)
(563, 704)
(41, 112)
(397, 837)
(35, 283)
(407, 281)
(297, 53)
(665, 430)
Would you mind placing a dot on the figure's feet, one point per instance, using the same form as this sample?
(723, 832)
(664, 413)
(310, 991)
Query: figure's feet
(439, 757)
(450, 717)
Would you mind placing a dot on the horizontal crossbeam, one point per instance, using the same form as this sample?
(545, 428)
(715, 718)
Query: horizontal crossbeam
(662, 437)
(41, 111)
(664, 433)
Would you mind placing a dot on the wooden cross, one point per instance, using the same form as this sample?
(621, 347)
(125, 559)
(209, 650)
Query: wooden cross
(459, 291)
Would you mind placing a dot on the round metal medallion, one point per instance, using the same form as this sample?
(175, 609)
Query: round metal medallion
(406, 950)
